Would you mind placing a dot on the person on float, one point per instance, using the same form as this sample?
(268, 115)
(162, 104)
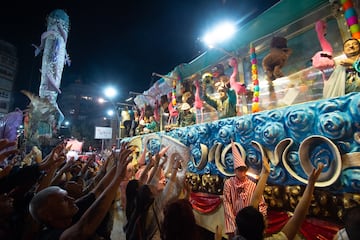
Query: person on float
(345, 78)
(237, 192)
(186, 116)
(225, 104)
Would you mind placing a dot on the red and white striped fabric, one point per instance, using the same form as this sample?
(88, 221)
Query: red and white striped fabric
(238, 160)
(237, 195)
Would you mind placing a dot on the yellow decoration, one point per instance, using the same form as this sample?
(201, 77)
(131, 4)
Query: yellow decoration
(255, 107)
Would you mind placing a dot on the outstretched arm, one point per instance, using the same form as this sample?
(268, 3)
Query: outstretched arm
(292, 226)
(144, 174)
(170, 190)
(153, 177)
(141, 159)
(259, 190)
(105, 168)
(93, 216)
(51, 163)
(4, 144)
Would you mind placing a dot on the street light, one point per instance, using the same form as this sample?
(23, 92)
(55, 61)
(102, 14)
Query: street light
(110, 112)
(221, 33)
(110, 94)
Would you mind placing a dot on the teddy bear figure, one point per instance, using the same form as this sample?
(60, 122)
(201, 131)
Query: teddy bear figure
(276, 59)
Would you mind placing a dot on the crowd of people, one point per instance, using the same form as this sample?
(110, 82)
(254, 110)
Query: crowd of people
(56, 197)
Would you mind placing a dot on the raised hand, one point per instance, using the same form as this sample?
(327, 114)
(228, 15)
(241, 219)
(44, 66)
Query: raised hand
(123, 159)
(265, 165)
(315, 173)
(56, 157)
(156, 159)
(218, 232)
(4, 144)
(162, 164)
(6, 171)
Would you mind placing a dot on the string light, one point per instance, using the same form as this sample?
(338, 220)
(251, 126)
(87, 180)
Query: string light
(351, 18)
(173, 96)
(255, 80)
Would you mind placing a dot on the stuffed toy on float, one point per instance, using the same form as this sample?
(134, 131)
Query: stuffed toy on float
(238, 87)
(207, 79)
(323, 59)
(218, 70)
(198, 103)
(275, 61)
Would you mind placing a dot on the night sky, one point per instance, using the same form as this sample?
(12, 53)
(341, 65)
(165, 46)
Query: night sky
(118, 42)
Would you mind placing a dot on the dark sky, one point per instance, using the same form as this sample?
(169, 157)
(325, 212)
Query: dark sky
(118, 42)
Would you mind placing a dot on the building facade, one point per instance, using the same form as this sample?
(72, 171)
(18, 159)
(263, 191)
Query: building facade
(8, 71)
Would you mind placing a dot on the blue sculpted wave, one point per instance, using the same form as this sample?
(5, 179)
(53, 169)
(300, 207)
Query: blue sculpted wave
(335, 125)
(337, 119)
(351, 180)
(299, 122)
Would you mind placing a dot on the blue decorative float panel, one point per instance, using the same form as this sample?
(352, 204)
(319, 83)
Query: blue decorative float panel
(296, 139)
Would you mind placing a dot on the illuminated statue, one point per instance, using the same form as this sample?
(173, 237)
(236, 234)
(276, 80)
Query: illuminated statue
(44, 117)
(53, 45)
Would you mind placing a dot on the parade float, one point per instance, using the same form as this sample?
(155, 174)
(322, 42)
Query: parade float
(284, 112)
(43, 116)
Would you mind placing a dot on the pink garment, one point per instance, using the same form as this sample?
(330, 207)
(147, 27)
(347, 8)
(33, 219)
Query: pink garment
(237, 195)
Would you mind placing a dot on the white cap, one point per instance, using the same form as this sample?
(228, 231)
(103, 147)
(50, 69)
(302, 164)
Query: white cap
(185, 106)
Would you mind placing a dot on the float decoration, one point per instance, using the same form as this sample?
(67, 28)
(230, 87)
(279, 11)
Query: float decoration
(255, 80)
(9, 124)
(273, 63)
(198, 104)
(238, 87)
(323, 59)
(173, 93)
(53, 45)
(39, 115)
(351, 18)
(44, 116)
